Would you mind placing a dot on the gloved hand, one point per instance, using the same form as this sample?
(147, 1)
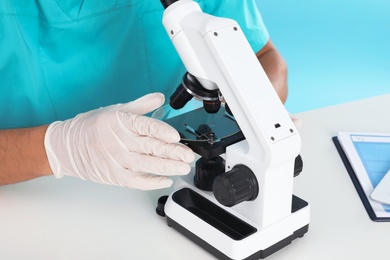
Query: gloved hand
(117, 145)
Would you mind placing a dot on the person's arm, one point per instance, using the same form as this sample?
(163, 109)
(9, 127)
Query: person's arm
(114, 145)
(22, 155)
(275, 67)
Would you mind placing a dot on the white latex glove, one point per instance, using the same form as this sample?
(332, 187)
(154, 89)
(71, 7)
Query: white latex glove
(117, 145)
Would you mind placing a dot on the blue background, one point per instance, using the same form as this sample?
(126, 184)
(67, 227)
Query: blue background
(336, 50)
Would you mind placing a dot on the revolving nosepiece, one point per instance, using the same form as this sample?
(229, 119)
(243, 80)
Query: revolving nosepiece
(190, 87)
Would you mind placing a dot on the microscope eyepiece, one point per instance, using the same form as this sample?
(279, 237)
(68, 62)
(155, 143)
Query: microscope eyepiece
(167, 3)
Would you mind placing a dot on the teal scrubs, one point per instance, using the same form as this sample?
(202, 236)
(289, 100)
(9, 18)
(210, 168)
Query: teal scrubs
(63, 57)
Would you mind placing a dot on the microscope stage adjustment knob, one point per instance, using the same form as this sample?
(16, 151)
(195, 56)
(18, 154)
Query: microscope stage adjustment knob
(235, 186)
(206, 171)
(298, 165)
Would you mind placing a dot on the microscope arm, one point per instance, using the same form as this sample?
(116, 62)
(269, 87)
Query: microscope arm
(216, 52)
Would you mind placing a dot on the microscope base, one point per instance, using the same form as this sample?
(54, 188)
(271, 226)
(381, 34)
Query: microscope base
(239, 234)
(261, 254)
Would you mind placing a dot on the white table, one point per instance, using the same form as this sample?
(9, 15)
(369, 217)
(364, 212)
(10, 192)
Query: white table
(73, 219)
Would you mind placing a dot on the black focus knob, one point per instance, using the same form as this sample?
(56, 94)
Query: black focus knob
(235, 186)
(298, 165)
(206, 171)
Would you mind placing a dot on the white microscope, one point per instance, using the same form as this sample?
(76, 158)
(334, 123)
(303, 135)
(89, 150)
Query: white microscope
(239, 205)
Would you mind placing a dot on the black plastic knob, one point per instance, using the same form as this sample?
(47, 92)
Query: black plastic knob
(298, 165)
(235, 186)
(160, 210)
(206, 171)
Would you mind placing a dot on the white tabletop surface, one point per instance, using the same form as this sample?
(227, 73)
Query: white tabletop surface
(69, 218)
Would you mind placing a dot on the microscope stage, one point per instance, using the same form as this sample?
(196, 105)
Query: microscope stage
(206, 134)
